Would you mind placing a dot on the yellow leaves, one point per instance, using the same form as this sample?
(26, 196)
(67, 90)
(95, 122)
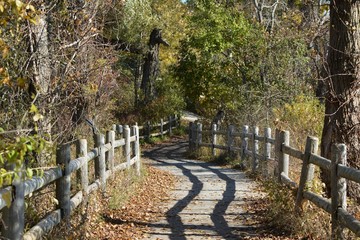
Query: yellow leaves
(33, 109)
(12, 11)
(2, 6)
(6, 81)
(37, 116)
(5, 52)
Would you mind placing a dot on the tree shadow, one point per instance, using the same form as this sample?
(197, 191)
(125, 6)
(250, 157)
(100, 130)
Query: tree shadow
(173, 155)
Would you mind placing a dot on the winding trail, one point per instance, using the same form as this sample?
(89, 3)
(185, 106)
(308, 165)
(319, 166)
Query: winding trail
(207, 202)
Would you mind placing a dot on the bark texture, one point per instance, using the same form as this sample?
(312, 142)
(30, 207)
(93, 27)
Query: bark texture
(342, 120)
(151, 68)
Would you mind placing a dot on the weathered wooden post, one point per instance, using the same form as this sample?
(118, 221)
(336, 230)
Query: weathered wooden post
(13, 218)
(127, 145)
(137, 149)
(109, 157)
(338, 189)
(191, 137)
(100, 166)
(267, 151)
(282, 138)
(170, 125)
(230, 138)
(255, 151)
(244, 143)
(213, 139)
(148, 130)
(162, 128)
(120, 131)
(81, 151)
(307, 171)
(199, 135)
(63, 184)
(195, 135)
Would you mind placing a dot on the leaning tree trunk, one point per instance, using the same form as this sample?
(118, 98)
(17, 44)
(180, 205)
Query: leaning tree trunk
(151, 68)
(342, 120)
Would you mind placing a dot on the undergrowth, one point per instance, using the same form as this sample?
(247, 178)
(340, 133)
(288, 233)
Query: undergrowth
(309, 223)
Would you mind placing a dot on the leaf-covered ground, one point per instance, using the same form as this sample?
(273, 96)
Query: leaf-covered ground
(129, 221)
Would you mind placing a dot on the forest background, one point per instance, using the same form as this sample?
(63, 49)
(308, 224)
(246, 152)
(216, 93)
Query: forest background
(68, 66)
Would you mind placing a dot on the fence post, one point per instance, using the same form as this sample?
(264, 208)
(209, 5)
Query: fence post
(13, 218)
(63, 184)
(110, 138)
(338, 189)
(244, 143)
(230, 138)
(162, 128)
(267, 151)
(137, 149)
(127, 145)
(170, 126)
(175, 121)
(120, 132)
(119, 129)
(199, 135)
(100, 167)
(307, 171)
(148, 130)
(213, 139)
(255, 152)
(282, 137)
(195, 135)
(191, 137)
(81, 151)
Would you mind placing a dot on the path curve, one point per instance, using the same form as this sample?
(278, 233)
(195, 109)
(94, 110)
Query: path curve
(207, 202)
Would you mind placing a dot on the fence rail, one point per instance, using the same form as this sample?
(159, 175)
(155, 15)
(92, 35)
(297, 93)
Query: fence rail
(102, 154)
(280, 148)
(159, 129)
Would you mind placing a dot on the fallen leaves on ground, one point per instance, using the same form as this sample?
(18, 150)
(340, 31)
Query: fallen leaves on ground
(98, 221)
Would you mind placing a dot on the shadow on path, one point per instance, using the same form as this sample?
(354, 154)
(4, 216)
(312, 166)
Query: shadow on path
(174, 156)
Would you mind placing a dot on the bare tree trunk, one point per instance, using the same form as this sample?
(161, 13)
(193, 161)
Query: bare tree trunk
(41, 58)
(342, 120)
(151, 66)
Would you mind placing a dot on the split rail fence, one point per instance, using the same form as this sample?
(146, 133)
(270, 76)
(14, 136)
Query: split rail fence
(103, 153)
(263, 149)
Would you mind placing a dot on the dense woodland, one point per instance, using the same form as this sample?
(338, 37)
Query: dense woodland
(69, 66)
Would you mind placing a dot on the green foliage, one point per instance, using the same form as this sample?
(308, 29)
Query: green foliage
(14, 153)
(219, 58)
(168, 102)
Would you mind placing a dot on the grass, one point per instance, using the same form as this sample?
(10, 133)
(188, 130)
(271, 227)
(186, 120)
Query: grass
(124, 185)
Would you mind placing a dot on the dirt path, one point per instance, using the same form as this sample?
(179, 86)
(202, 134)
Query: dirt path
(208, 201)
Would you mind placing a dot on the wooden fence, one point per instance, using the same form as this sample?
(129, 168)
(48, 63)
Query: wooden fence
(278, 149)
(159, 129)
(104, 166)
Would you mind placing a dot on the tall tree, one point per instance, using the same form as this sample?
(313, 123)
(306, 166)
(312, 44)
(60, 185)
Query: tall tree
(342, 120)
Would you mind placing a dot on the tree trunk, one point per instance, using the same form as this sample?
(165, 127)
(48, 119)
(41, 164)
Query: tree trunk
(151, 66)
(342, 120)
(41, 61)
